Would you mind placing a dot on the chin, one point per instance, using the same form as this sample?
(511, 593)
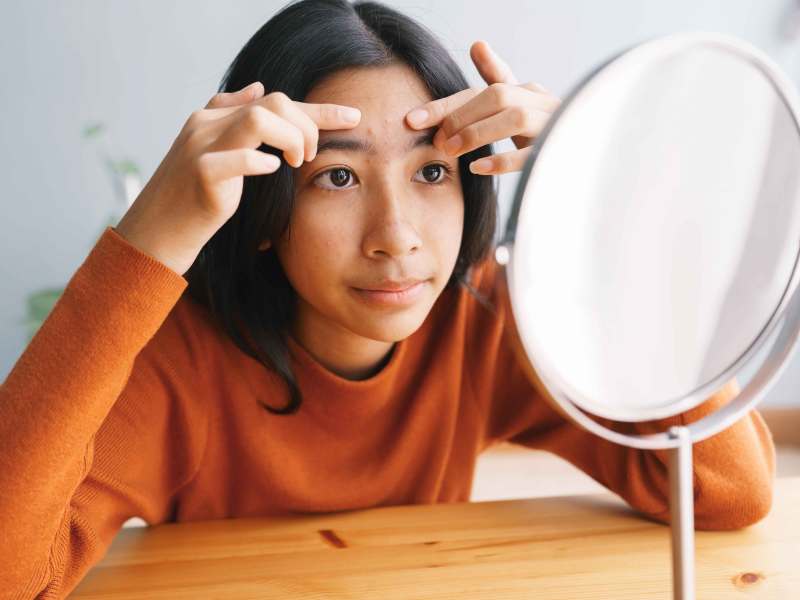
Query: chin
(390, 328)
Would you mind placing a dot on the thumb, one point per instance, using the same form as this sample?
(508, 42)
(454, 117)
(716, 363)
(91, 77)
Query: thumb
(492, 68)
(243, 96)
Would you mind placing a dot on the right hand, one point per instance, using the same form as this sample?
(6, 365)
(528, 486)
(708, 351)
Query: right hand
(198, 185)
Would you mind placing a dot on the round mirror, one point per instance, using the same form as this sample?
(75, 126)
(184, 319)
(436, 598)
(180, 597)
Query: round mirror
(653, 240)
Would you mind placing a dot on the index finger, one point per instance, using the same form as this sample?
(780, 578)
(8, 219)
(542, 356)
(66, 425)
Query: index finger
(326, 116)
(492, 68)
(331, 116)
(243, 96)
(433, 112)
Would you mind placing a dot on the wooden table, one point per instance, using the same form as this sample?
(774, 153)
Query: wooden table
(568, 547)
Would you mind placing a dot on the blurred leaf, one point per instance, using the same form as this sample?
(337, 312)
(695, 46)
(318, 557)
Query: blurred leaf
(93, 130)
(126, 167)
(39, 306)
(41, 303)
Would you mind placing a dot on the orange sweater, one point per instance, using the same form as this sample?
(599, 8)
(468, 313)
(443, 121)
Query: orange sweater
(130, 401)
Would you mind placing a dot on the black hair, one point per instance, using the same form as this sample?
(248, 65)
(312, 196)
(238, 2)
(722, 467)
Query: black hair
(246, 290)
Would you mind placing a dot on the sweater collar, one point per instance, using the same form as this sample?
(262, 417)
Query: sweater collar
(329, 393)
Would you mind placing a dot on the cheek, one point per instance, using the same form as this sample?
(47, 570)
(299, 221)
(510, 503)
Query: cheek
(324, 230)
(444, 222)
(315, 243)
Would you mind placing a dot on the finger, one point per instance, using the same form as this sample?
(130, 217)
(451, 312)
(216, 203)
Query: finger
(255, 125)
(292, 112)
(492, 68)
(432, 113)
(326, 116)
(225, 164)
(243, 96)
(331, 116)
(494, 99)
(535, 87)
(310, 118)
(517, 120)
(498, 164)
(544, 98)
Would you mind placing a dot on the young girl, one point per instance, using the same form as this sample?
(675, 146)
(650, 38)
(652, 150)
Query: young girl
(300, 314)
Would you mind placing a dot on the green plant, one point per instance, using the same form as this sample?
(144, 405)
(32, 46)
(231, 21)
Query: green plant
(126, 179)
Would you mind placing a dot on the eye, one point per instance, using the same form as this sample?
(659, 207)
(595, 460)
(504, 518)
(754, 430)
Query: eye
(435, 173)
(337, 178)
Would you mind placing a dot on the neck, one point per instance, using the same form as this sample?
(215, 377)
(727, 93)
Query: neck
(338, 349)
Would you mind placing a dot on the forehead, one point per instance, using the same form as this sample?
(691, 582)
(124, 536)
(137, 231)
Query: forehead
(384, 95)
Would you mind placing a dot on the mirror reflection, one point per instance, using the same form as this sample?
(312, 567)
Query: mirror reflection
(651, 272)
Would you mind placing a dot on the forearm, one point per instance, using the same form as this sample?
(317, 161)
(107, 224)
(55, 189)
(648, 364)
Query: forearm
(733, 471)
(62, 388)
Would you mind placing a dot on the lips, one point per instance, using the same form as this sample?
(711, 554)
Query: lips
(389, 285)
(392, 293)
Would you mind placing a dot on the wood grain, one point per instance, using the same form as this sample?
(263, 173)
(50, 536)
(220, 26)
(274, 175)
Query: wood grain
(574, 547)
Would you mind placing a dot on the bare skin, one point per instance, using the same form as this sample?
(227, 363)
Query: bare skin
(363, 219)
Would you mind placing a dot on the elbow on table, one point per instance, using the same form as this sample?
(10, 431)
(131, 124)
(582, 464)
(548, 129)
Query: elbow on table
(735, 508)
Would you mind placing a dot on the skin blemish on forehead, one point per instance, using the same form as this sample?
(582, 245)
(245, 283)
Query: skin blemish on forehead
(383, 121)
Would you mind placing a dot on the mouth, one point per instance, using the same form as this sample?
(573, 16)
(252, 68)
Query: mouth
(393, 293)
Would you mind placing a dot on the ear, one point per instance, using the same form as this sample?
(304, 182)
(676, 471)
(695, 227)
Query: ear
(266, 244)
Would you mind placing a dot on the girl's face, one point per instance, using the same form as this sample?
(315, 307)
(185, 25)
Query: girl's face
(378, 204)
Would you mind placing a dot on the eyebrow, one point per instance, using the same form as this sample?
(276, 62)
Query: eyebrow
(361, 145)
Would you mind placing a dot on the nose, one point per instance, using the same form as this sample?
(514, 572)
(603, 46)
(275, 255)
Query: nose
(391, 230)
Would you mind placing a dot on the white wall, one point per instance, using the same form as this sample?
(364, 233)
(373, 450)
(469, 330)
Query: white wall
(142, 67)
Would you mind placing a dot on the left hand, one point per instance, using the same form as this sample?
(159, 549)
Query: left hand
(475, 117)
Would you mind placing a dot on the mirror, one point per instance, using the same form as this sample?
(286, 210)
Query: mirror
(653, 242)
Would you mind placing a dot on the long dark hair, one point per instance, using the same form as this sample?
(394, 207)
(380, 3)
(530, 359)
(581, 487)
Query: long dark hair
(246, 290)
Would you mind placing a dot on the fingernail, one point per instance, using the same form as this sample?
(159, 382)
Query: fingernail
(351, 115)
(453, 144)
(484, 164)
(418, 116)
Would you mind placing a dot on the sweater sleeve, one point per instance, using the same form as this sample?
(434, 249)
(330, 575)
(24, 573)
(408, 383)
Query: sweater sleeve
(734, 470)
(90, 430)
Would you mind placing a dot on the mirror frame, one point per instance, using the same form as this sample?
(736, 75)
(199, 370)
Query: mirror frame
(787, 312)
